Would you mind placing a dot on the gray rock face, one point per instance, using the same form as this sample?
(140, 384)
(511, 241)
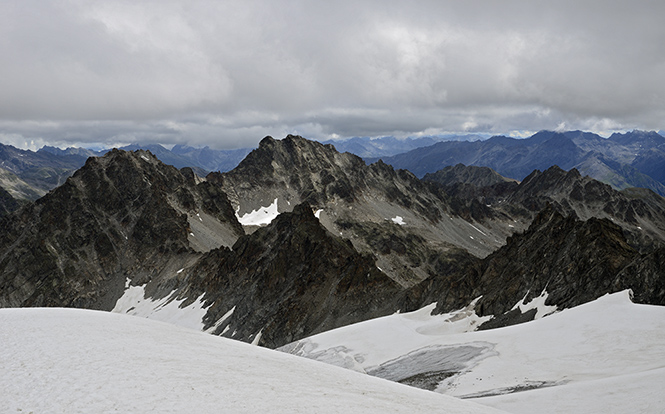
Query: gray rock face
(125, 215)
(391, 214)
(7, 203)
(582, 238)
(289, 280)
(639, 212)
(574, 261)
(571, 260)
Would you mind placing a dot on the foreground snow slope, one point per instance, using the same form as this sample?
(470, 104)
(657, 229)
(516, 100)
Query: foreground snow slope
(71, 360)
(607, 356)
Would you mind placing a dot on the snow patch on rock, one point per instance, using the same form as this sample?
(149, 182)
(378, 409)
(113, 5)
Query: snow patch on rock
(398, 220)
(537, 303)
(260, 217)
(168, 309)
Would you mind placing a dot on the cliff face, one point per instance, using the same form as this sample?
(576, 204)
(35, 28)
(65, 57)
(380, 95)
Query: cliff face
(574, 261)
(406, 223)
(8, 203)
(289, 280)
(568, 260)
(125, 215)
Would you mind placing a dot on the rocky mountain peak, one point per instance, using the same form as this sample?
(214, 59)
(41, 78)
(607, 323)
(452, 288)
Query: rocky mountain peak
(568, 260)
(647, 138)
(470, 175)
(337, 241)
(553, 179)
(122, 215)
(352, 199)
(288, 280)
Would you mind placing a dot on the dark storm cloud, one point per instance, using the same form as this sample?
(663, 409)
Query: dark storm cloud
(227, 73)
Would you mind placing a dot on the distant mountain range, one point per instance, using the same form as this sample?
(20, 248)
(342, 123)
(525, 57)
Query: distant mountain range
(28, 175)
(366, 147)
(633, 159)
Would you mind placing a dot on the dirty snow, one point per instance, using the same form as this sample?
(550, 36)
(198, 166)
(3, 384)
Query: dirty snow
(605, 356)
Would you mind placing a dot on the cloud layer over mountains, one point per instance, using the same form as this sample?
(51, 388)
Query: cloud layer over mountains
(227, 74)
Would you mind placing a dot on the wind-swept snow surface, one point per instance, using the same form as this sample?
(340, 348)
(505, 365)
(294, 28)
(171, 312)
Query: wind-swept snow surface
(81, 361)
(607, 356)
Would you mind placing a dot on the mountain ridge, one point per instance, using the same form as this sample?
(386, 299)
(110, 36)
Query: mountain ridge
(625, 160)
(126, 222)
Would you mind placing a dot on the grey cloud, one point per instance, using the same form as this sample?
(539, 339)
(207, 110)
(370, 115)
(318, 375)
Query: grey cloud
(225, 74)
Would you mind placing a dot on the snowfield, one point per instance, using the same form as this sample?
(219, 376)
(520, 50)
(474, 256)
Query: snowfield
(259, 217)
(606, 356)
(81, 361)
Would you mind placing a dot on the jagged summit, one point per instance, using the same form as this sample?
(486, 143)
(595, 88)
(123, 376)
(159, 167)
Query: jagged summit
(640, 213)
(124, 215)
(380, 209)
(294, 168)
(290, 279)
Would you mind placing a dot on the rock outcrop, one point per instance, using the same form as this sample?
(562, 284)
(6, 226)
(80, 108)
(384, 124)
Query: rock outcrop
(8, 203)
(289, 280)
(391, 214)
(124, 215)
(564, 260)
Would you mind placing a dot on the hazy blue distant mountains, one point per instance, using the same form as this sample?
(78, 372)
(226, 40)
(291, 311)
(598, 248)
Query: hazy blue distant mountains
(366, 147)
(29, 175)
(73, 151)
(202, 160)
(633, 159)
(212, 160)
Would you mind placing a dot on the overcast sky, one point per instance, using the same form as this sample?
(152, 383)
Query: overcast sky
(225, 73)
